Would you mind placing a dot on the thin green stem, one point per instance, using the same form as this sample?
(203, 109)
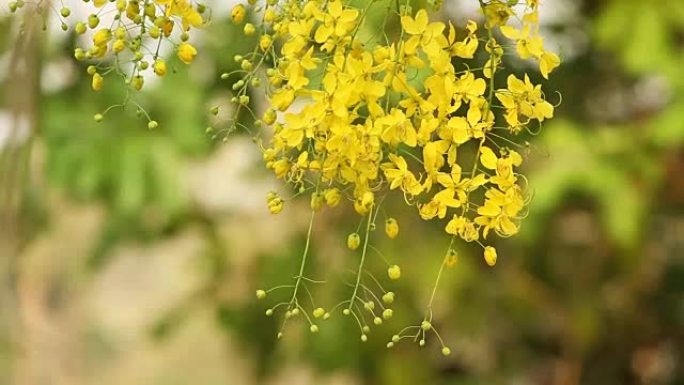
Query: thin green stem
(363, 257)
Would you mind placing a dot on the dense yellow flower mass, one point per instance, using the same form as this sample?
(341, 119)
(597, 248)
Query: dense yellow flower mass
(355, 117)
(374, 117)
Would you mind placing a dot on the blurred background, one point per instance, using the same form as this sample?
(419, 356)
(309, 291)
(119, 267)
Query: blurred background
(130, 256)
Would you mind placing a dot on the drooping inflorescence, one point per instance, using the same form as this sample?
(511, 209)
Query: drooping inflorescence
(358, 113)
(126, 38)
(357, 116)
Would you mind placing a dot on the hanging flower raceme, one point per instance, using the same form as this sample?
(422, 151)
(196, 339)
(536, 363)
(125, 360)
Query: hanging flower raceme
(352, 120)
(127, 39)
(351, 125)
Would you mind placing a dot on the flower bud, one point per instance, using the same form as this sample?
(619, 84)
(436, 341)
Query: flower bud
(237, 14)
(388, 298)
(353, 241)
(394, 272)
(490, 255)
(249, 29)
(391, 228)
(159, 67)
(260, 294)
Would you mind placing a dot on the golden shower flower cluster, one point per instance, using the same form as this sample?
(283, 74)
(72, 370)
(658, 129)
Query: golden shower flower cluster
(357, 114)
(355, 118)
(125, 38)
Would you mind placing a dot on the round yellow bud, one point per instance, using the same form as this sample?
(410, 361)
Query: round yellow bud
(269, 15)
(490, 255)
(98, 82)
(249, 29)
(260, 294)
(265, 42)
(391, 228)
(119, 45)
(316, 201)
(314, 328)
(387, 313)
(394, 272)
(388, 298)
(377, 321)
(154, 32)
(102, 37)
(186, 52)
(318, 312)
(238, 14)
(270, 117)
(137, 82)
(80, 28)
(353, 241)
(446, 351)
(426, 325)
(159, 67)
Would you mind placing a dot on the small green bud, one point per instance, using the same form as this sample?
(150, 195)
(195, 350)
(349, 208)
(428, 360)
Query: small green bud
(80, 28)
(446, 351)
(387, 314)
(388, 298)
(215, 111)
(313, 328)
(152, 125)
(260, 294)
(295, 312)
(365, 329)
(91, 70)
(390, 345)
(65, 12)
(377, 321)
(318, 312)
(93, 21)
(269, 312)
(395, 338)
(364, 338)
(98, 117)
(421, 343)
(426, 325)
(346, 311)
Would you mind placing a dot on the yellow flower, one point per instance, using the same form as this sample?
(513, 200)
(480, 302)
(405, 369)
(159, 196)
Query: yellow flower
(401, 176)
(186, 52)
